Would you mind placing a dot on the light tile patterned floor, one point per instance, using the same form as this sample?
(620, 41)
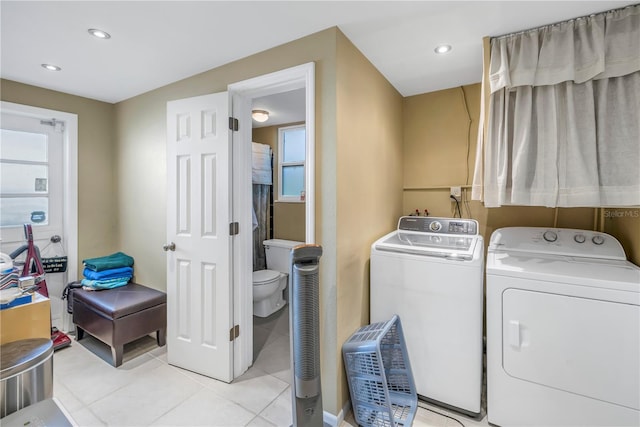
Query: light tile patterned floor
(145, 390)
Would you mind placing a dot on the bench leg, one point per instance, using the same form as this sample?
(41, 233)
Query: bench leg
(116, 354)
(79, 333)
(161, 335)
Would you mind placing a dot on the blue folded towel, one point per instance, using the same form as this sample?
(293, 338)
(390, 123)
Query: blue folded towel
(112, 273)
(106, 284)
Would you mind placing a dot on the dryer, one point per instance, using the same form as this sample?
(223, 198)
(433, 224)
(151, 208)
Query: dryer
(430, 272)
(563, 329)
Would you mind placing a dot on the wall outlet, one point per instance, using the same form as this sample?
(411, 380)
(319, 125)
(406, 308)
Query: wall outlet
(456, 192)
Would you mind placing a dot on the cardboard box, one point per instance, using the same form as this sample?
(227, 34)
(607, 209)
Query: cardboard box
(32, 320)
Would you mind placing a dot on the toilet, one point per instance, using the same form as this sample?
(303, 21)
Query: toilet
(269, 286)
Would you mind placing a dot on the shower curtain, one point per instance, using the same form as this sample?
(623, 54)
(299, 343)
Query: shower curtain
(262, 178)
(260, 207)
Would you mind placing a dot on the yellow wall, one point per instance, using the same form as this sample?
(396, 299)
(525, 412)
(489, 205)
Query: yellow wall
(369, 171)
(437, 143)
(97, 199)
(288, 218)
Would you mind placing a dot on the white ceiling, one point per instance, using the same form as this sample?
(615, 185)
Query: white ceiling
(284, 107)
(155, 43)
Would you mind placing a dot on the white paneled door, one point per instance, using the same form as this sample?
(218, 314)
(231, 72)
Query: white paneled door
(199, 285)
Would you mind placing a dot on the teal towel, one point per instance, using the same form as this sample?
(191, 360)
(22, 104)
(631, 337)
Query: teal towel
(106, 284)
(116, 260)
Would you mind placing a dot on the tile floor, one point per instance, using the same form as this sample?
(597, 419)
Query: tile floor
(145, 390)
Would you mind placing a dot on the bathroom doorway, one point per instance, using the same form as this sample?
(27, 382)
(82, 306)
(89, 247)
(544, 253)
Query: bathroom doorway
(278, 164)
(267, 337)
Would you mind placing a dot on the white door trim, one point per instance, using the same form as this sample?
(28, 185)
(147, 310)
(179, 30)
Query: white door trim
(70, 175)
(241, 95)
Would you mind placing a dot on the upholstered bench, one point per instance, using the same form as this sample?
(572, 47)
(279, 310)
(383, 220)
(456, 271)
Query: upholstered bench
(120, 315)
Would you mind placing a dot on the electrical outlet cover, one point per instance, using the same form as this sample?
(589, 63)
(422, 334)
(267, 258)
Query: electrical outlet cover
(456, 192)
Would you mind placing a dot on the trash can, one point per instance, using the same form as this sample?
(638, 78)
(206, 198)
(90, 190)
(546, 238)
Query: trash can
(26, 375)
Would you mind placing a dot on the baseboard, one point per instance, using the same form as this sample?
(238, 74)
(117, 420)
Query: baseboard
(333, 420)
(330, 420)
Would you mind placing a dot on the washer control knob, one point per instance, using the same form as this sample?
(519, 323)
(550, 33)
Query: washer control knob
(597, 239)
(435, 226)
(550, 236)
(579, 238)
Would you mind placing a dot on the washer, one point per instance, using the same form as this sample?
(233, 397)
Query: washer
(563, 329)
(430, 272)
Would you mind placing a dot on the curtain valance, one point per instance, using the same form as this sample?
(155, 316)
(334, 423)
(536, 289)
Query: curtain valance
(591, 48)
(563, 117)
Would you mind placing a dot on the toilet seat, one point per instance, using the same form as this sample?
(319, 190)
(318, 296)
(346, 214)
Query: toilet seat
(262, 277)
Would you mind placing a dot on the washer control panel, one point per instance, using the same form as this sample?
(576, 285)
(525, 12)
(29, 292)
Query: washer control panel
(558, 241)
(426, 224)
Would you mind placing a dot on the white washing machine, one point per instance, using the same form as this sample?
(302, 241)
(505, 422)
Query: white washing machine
(430, 272)
(563, 329)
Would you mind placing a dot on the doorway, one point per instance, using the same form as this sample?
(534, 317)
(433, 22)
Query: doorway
(39, 187)
(242, 95)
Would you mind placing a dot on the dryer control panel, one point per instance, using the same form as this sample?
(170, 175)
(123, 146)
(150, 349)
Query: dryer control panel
(557, 241)
(426, 224)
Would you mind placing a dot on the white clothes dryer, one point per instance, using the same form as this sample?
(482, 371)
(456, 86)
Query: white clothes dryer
(563, 329)
(430, 273)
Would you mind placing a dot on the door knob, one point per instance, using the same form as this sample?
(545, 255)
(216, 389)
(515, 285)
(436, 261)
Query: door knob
(170, 247)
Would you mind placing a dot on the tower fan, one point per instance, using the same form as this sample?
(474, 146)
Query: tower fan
(304, 318)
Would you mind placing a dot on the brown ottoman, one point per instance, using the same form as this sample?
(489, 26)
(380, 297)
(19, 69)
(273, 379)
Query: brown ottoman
(121, 315)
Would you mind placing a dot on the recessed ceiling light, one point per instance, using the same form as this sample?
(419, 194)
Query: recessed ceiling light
(99, 33)
(51, 67)
(443, 48)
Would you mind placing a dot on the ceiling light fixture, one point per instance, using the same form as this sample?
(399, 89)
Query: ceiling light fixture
(443, 48)
(99, 33)
(51, 67)
(260, 115)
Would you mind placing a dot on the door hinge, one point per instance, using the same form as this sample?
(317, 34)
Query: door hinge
(234, 332)
(234, 228)
(233, 123)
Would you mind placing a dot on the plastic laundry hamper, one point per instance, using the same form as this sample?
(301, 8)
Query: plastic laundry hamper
(381, 384)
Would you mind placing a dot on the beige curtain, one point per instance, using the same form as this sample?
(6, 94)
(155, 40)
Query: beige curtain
(563, 121)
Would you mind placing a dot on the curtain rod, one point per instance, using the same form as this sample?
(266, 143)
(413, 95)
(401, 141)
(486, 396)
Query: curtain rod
(517, 33)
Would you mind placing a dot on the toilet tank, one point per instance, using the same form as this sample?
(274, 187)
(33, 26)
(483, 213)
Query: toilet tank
(278, 252)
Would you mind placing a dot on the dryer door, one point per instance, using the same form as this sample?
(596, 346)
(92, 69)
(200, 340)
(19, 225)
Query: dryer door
(583, 346)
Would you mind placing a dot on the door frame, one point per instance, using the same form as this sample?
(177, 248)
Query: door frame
(69, 178)
(241, 95)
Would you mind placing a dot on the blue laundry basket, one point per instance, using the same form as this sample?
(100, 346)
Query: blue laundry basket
(383, 393)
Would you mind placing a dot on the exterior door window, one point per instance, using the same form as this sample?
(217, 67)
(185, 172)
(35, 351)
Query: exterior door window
(30, 176)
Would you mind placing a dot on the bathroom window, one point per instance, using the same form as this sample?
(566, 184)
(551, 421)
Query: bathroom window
(291, 167)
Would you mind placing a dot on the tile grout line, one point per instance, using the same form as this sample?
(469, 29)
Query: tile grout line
(286, 390)
(181, 401)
